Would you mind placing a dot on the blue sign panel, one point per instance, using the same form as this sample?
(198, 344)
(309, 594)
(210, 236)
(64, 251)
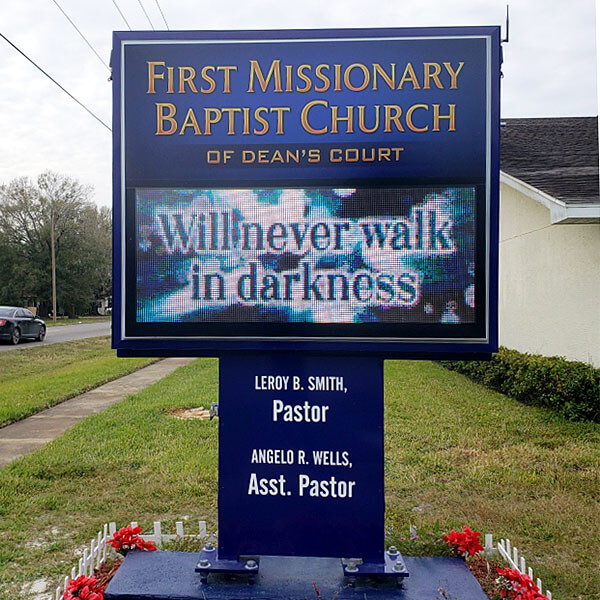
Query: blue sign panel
(301, 457)
(325, 190)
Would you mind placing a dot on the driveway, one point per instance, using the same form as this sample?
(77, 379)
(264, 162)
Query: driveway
(65, 333)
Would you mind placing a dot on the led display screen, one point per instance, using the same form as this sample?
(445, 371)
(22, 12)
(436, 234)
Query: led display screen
(306, 255)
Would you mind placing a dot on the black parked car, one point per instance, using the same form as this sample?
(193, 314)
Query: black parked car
(19, 323)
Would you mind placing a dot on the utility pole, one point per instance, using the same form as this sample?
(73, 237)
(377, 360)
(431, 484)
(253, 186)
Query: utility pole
(53, 255)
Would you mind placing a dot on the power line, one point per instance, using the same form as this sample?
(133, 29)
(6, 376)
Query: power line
(81, 34)
(147, 17)
(162, 14)
(56, 82)
(122, 15)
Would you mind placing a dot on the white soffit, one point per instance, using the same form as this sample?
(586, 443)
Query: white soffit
(560, 212)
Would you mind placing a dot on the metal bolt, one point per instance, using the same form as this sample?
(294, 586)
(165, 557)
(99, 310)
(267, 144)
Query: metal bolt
(208, 548)
(251, 565)
(204, 563)
(214, 410)
(351, 566)
(392, 551)
(398, 566)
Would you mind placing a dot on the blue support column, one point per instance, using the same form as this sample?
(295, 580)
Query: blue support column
(301, 456)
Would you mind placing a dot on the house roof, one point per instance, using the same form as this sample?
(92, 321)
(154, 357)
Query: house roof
(558, 156)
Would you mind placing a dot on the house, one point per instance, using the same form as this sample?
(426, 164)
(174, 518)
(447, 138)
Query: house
(549, 291)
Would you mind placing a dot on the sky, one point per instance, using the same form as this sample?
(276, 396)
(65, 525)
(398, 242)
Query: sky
(549, 63)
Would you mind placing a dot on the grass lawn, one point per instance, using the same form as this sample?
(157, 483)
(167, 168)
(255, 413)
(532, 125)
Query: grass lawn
(78, 321)
(455, 454)
(35, 378)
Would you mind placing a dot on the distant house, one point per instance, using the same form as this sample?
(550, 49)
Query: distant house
(550, 237)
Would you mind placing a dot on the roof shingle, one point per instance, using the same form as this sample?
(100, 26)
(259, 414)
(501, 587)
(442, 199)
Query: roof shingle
(556, 155)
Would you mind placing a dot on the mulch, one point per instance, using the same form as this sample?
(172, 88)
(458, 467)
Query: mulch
(106, 571)
(485, 572)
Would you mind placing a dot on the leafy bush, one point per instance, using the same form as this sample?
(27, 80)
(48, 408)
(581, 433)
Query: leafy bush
(570, 388)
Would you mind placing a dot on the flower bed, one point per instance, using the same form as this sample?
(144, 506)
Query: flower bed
(97, 567)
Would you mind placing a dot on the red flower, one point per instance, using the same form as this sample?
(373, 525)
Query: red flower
(466, 542)
(515, 585)
(127, 538)
(83, 587)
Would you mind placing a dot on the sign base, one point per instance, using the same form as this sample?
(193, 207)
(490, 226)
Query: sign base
(171, 576)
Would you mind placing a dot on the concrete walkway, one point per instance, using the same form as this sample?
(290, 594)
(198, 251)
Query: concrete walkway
(32, 433)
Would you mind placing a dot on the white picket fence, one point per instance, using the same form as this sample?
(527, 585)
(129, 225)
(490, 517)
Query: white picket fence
(511, 555)
(98, 550)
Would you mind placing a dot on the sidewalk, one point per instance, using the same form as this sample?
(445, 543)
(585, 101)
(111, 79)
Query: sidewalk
(32, 433)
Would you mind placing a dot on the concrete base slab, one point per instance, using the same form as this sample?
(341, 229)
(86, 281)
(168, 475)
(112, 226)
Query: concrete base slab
(171, 576)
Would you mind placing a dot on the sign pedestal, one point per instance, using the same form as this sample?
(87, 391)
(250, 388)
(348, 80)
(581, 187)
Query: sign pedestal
(301, 464)
(171, 576)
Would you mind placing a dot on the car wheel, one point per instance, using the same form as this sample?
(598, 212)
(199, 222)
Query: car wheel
(15, 338)
(42, 333)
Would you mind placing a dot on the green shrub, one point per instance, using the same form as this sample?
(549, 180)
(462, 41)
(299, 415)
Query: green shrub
(570, 388)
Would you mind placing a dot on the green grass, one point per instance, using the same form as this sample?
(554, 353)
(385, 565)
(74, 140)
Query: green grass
(458, 454)
(455, 454)
(66, 321)
(35, 378)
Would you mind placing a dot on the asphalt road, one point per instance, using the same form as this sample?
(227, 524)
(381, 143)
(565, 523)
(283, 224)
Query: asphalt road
(64, 333)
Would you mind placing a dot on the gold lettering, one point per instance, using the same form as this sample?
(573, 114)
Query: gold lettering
(451, 117)
(392, 114)
(288, 78)
(348, 118)
(435, 75)
(170, 80)
(261, 120)
(366, 77)
(337, 69)
(409, 75)
(305, 78)
(389, 79)
(246, 113)
(190, 121)
(279, 111)
(361, 119)
(231, 112)
(212, 85)
(161, 117)
(274, 72)
(409, 120)
(453, 73)
(210, 121)
(304, 117)
(227, 77)
(186, 75)
(153, 75)
(319, 73)
(335, 155)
